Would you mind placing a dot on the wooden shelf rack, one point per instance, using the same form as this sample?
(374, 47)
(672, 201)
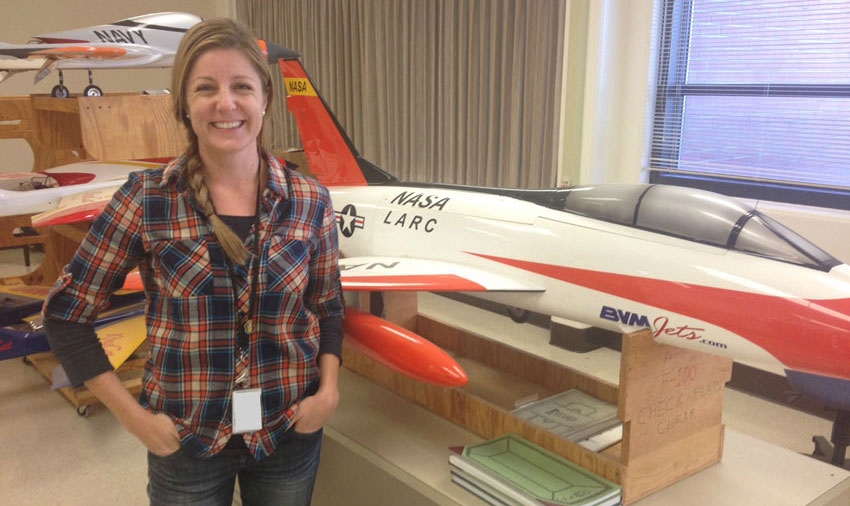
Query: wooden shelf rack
(670, 400)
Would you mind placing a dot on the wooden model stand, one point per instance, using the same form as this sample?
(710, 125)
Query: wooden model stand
(670, 400)
(112, 127)
(62, 131)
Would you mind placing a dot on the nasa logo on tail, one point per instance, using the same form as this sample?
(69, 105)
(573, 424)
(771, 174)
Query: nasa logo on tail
(349, 220)
(299, 86)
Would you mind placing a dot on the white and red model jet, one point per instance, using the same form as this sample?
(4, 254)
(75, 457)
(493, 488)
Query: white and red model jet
(142, 41)
(700, 270)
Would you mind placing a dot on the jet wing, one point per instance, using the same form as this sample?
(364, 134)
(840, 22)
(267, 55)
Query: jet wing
(416, 274)
(83, 206)
(77, 50)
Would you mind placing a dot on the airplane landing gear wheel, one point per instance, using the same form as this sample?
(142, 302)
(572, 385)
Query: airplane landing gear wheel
(83, 411)
(93, 91)
(60, 91)
(517, 314)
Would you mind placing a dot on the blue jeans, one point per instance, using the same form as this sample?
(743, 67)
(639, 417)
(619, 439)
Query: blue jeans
(285, 478)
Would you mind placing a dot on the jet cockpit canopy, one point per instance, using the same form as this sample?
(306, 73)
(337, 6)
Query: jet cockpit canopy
(696, 215)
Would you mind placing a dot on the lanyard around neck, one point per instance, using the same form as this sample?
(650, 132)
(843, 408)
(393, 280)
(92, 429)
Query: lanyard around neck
(246, 319)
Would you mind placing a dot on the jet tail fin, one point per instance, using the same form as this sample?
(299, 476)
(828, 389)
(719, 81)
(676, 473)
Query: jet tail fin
(332, 157)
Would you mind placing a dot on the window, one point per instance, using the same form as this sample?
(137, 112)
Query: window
(753, 99)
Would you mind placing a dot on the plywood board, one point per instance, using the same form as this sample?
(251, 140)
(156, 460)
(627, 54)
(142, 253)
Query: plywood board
(554, 377)
(116, 127)
(51, 129)
(668, 464)
(667, 393)
(473, 409)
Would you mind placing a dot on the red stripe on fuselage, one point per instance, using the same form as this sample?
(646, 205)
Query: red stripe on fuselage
(810, 335)
(80, 213)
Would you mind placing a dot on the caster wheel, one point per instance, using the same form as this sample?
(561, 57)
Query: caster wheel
(518, 315)
(93, 91)
(60, 91)
(83, 411)
(26, 360)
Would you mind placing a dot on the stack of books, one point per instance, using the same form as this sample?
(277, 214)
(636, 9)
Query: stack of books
(576, 416)
(512, 471)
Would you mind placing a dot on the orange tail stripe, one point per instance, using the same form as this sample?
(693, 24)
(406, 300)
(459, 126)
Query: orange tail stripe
(328, 154)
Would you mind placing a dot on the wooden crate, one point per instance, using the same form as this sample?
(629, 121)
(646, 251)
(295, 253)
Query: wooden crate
(670, 400)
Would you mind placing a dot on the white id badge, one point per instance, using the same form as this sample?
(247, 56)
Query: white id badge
(247, 411)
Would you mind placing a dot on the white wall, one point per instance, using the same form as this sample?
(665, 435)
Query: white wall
(21, 20)
(611, 39)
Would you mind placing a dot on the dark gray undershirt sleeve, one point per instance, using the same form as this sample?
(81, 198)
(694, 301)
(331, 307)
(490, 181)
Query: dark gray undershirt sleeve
(78, 349)
(330, 336)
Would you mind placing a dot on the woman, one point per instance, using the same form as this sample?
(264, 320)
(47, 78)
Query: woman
(244, 310)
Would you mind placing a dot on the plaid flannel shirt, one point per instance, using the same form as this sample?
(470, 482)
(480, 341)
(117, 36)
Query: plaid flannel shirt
(154, 222)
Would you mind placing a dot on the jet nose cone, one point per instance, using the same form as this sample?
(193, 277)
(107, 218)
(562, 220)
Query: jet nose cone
(275, 52)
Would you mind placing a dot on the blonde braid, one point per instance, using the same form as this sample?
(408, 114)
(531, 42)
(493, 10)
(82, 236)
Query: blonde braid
(230, 242)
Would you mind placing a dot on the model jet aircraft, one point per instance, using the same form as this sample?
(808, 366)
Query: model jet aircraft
(700, 270)
(142, 41)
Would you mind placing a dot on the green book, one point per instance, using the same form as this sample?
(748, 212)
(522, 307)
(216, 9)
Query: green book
(515, 466)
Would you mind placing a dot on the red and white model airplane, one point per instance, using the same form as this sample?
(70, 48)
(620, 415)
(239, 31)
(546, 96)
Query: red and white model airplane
(142, 41)
(701, 270)
(42, 191)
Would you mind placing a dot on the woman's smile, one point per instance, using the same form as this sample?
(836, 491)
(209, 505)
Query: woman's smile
(225, 103)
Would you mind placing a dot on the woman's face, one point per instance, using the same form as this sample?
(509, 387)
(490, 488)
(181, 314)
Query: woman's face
(225, 101)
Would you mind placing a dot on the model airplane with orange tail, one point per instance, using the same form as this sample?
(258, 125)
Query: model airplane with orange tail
(699, 270)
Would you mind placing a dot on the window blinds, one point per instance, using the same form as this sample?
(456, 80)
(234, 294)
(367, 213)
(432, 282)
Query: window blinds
(754, 90)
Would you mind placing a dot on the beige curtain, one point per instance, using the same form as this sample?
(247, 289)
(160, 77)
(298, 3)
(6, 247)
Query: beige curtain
(452, 91)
